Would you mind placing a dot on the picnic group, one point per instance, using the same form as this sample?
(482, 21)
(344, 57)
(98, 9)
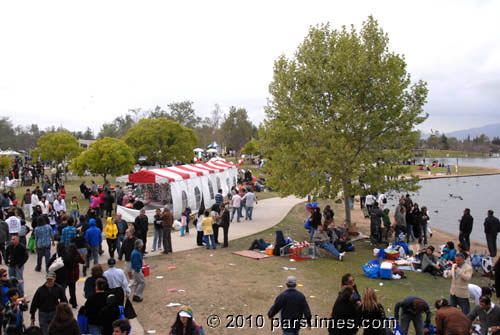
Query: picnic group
(406, 229)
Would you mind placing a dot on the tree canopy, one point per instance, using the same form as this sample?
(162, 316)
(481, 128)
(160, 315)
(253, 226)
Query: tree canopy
(58, 146)
(237, 128)
(251, 148)
(343, 108)
(161, 140)
(106, 157)
(5, 165)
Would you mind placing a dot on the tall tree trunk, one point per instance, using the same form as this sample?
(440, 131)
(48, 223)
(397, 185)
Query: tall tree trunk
(347, 195)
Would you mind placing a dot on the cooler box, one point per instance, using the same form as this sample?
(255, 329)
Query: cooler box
(391, 254)
(145, 270)
(270, 251)
(386, 270)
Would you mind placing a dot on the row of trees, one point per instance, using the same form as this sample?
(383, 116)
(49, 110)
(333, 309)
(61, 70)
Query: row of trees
(480, 143)
(232, 130)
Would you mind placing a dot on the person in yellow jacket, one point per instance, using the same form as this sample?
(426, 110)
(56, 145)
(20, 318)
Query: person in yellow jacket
(111, 231)
(208, 232)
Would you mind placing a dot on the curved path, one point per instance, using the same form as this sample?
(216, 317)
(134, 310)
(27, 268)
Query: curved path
(267, 214)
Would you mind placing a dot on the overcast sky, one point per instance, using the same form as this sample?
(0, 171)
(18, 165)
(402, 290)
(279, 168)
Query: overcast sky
(80, 64)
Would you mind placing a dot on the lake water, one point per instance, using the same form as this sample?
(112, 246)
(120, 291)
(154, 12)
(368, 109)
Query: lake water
(443, 198)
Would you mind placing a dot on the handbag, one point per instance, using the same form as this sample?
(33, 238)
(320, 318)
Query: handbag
(129, 310)
(57, 264)
(31, 243)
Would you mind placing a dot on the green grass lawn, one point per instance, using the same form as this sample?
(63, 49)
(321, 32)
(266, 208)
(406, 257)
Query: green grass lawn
(229, 284)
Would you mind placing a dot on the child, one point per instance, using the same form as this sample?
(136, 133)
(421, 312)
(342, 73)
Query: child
(184, 219)
(75, 209)
(121, 327)
(199, 228)
(13, 318)
(62, 192)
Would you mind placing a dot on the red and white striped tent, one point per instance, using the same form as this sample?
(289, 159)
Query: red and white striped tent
(189, 183)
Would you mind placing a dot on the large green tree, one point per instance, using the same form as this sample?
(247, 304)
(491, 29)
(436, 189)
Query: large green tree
(237, 129)
(58, 146)
(161, 140)
(343, 108)
(5, 165)
(106, 157)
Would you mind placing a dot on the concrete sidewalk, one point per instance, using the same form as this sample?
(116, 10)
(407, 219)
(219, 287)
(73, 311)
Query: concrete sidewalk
(266, 214)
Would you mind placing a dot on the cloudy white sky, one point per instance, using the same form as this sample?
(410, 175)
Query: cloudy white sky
(82, 63)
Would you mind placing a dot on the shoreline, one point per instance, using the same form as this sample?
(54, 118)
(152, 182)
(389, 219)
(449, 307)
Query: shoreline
(480, 174)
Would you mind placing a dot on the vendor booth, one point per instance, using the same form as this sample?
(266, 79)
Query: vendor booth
(178, 187)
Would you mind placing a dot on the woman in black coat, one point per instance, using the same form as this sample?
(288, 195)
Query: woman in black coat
(373, 312)
(345, 309)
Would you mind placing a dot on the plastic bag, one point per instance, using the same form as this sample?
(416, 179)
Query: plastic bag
(31, 243)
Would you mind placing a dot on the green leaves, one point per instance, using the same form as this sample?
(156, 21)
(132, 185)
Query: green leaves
(161, 140)
(343, 108)
(106, 156)
(58, 146)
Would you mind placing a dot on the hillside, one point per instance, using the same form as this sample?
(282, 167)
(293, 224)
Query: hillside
(491, 130)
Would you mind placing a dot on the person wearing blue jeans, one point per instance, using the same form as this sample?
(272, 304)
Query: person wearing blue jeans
(93, 235)
(16, 253)
(249, 200)
(322, 240)
(208, 232)
(43, 252)
(236, 207)
(122, 227)
(158, 225)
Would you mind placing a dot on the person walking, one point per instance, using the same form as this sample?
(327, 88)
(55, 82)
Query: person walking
(167, 223)
(44, 237)
(461, 274)
(224, 223)
(424, 221)
(93, 235)
(17, 256)
(4, 236)
(345, 313)
(451, 321)
(13, 315)
(26, 204)
(465, 229)
(141, 226)
(69, 233)
(94, 305)
(64, 322)
(158, 225)
(73, 272)
(139, 283)
(376, 216)
(236, 207)
(45, 301)
(108, 201)
(111, 232)
(122, 228)
(250, 202)
(411, 310)
(491, 229)
(292, 306)
(126, 250)
(74, 208)
(117, 282)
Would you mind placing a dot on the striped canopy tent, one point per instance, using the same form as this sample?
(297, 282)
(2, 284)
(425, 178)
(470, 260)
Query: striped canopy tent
(189, 184)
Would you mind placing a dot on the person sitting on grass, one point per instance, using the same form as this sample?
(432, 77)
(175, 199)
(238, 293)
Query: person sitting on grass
(430, 262)
(322, 240)
(184, 323)
(449, 252)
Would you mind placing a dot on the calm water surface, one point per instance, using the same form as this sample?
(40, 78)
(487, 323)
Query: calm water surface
(446, 199)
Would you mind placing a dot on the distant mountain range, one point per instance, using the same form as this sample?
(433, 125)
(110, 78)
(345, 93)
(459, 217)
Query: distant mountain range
(491, 130)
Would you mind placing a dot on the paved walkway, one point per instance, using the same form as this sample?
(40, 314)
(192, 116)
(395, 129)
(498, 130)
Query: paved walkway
(267, 214)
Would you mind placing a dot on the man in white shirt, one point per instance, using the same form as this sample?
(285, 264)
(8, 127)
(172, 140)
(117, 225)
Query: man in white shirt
(117, 281)
(250, 201)
(13, 222)
(34, 200)
(50, 196)
(476, 292)
(382, 201)
(236, 207)
(59, 204)
(370, 200)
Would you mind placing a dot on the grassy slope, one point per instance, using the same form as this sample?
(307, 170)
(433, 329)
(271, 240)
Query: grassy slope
(228, 284)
